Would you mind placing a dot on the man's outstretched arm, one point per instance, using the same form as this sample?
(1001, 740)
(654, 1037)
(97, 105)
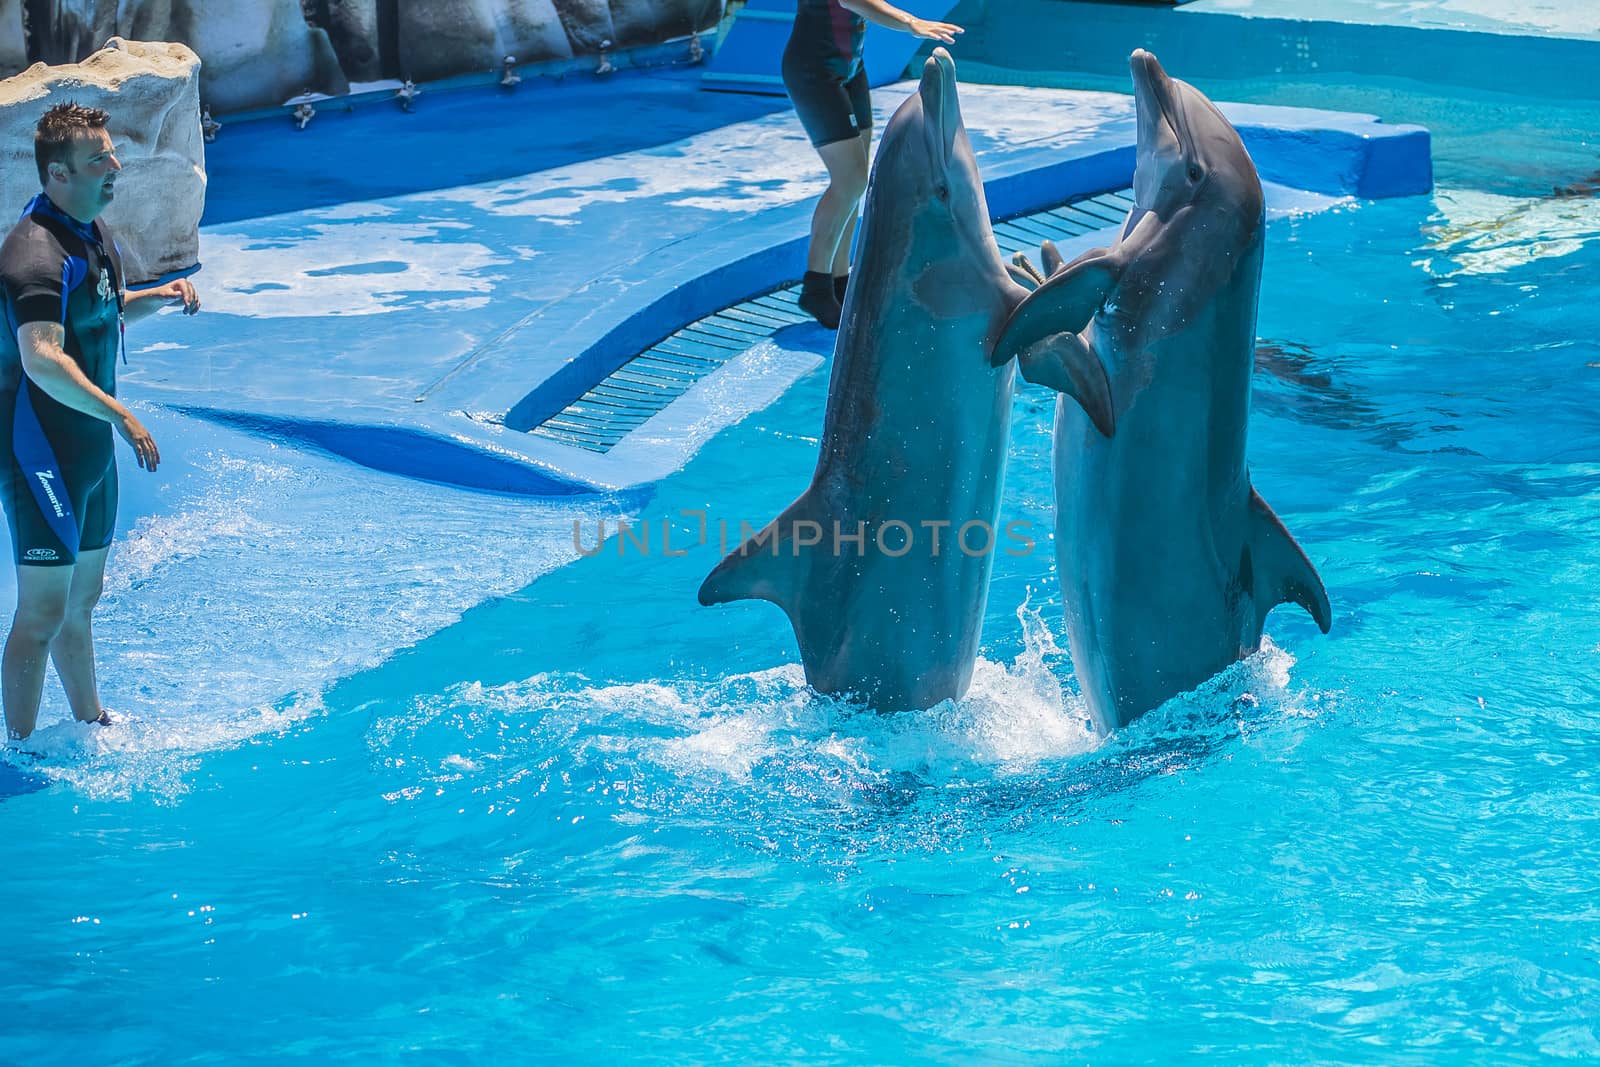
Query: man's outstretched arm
(142, 303)
(58, 374)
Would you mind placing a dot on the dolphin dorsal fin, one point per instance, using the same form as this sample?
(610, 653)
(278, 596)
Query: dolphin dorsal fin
(768, 566)
(1281, 572)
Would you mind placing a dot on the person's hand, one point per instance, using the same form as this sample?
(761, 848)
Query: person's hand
(934, 31)
(180, 291)
(144, 446)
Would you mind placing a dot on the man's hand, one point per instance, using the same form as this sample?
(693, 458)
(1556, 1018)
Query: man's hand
(180, 291)
(144, 446)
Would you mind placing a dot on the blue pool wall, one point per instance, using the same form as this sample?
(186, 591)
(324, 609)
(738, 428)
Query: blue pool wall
(1085, 44)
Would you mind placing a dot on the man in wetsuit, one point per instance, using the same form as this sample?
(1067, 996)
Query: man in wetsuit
(823, 75)
(61, 287)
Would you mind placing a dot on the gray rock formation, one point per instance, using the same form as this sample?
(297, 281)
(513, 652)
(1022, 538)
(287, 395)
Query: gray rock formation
(152, 92)
(256, 52)
(452, 36)
(362, 38)
(587, 24)
(13, 45)
(639, 22)
(259, 53)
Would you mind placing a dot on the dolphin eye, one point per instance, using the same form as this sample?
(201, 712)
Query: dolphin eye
(1195, 173)
(942, 191)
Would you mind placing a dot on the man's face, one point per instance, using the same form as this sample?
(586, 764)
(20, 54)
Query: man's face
(87, 185)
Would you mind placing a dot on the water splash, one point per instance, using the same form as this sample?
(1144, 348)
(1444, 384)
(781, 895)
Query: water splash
(764, 758)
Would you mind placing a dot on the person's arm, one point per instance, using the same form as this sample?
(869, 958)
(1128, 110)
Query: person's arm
(142, 303)
(888, 15)
(58, 374)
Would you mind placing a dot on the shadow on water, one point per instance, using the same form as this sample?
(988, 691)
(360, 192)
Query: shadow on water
(1301, 386)
(15, 781)
(480, 134)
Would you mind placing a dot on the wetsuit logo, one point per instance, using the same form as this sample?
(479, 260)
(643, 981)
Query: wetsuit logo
(40, 553)
(45, 478)
(104, 288)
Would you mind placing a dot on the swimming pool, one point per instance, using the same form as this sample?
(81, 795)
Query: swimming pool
(591, 819)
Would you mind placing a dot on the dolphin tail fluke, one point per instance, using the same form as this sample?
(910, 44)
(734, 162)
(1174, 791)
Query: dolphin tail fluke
(1281, 573)
(768, 566)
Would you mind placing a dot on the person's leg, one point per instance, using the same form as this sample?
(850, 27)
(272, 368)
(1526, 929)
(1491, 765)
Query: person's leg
(847, 180)
(72, 651)
(41, 606)
(841, 255)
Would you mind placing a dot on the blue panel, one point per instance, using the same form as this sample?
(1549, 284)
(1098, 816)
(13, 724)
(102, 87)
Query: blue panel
(887, 52)
(751, 52)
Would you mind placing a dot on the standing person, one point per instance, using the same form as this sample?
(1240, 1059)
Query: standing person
(823, 74)
(65, 305)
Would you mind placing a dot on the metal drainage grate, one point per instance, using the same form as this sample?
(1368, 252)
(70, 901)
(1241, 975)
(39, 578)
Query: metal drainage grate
(644, 386)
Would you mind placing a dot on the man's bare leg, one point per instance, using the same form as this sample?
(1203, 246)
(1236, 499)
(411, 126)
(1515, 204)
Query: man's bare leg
(41, 607)
(73, 649)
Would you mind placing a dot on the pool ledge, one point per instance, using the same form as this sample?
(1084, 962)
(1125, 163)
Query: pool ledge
(468, 425)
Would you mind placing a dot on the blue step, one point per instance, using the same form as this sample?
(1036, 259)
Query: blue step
(644, 386)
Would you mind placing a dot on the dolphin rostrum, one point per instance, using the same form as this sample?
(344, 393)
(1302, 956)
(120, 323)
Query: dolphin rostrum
(883, 564)
(1169, 559)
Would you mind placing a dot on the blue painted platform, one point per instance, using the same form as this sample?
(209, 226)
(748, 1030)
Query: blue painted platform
(430, 331)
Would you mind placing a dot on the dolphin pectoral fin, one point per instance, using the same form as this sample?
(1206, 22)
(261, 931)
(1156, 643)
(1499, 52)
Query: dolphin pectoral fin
(769, 565)
(1065, 363)
(1063, 304)
(1281, 573)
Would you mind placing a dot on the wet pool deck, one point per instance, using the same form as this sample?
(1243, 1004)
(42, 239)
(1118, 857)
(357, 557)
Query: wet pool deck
(495, 253)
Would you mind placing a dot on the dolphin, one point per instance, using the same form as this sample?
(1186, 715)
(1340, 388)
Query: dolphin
(1169, 559)
(882, 565)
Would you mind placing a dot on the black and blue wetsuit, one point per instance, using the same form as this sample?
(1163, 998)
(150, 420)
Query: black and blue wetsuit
(59, 482)
(823, 74)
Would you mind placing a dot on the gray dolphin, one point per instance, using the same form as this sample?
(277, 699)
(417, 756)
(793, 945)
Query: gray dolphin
(914, 438)
(1169, 559)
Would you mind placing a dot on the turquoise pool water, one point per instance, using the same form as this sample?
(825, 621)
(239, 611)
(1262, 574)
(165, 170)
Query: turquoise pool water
(593, 819)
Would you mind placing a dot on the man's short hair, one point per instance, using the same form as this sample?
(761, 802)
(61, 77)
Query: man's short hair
(62, 127)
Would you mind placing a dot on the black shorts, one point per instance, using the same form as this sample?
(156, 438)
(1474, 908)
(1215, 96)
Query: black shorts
(59, 489)
(831, 108)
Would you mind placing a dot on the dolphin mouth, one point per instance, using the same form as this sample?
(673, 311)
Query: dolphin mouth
(1155, 96)
(938, 91)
